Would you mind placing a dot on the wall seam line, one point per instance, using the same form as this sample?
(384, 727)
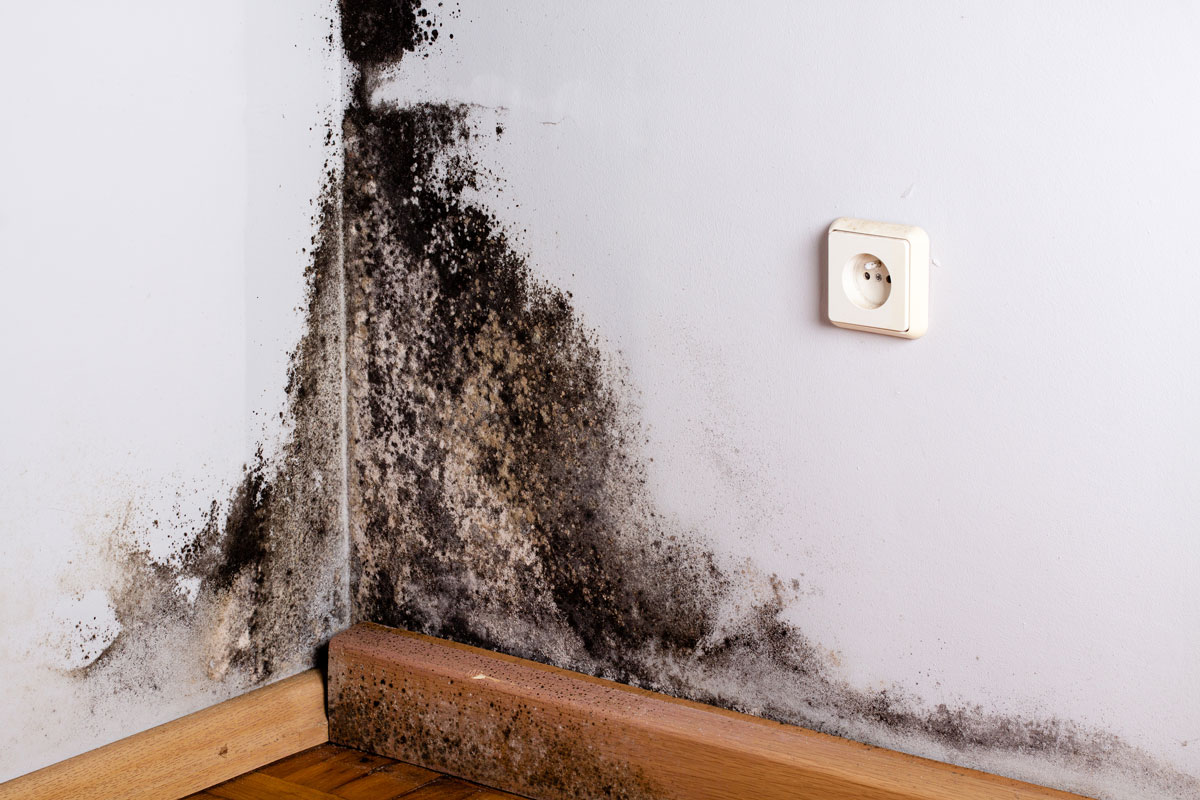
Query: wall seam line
(344, 333)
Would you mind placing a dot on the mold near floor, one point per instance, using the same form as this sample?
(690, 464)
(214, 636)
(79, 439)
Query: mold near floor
(498, 487)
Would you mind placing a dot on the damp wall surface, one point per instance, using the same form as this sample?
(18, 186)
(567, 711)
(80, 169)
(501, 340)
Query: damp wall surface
(594, 415)
(158, 170)
(654, 460)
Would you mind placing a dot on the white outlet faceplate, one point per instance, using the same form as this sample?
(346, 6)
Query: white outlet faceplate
(879, 277)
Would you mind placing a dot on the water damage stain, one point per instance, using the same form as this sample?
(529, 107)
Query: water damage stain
(498, 492)
(259, 587)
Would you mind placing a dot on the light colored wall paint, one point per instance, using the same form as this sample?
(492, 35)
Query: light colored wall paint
(157, 171)
(1002, 513)
(674, 167)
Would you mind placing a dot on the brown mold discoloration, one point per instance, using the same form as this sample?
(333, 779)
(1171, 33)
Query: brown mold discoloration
(481, 744)
(268, 565)
(488, 429)
(530, 746)
(498, 491)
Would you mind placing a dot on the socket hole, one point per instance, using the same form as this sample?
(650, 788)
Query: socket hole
(874, 288)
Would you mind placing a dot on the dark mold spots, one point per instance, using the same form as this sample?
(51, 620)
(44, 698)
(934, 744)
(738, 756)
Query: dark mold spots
(243, 543)
(494, 439)
(258, 588)
(467, 738)
(521, 739)
(378, 31)
(498, 492)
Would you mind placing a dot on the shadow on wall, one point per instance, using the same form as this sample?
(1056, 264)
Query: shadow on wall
(498, 493)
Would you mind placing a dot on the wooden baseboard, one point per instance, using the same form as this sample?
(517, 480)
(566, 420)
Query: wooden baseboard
(550, 734)
(191, 753)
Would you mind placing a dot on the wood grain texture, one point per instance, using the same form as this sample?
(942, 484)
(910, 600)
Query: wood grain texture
(550, 734)
(300, 761)
(446, 789)
(387, 784)
(337, 770)
(321, 774)
(191, 753)
(257, 786)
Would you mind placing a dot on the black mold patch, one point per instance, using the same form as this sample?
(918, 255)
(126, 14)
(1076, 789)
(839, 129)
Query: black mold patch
(378, 31)
(485, 398)
(268, 565)
(246, 534)
(498, 493)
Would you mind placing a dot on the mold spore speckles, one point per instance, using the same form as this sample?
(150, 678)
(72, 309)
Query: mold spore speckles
(257, 588)
(82, 628)
(379, 32)
(493, 454)
(498, 493)
(406, 698)
(472, 738)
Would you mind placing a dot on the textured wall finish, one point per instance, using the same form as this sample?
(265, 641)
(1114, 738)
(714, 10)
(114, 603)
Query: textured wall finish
(499, 471)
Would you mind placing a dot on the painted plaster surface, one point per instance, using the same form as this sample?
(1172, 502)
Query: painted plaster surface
(571, 262)
(597, 420)
(170, 472)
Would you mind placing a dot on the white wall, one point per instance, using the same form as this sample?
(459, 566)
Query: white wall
(1004, 512)
(157, 163)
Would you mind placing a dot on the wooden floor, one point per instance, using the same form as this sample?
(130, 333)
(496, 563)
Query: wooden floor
(330, 772)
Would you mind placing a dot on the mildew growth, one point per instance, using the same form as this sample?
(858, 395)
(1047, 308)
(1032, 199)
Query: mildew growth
(259, 587)
(410, 699)
(498, 489)
(513, 747)
(375, 32)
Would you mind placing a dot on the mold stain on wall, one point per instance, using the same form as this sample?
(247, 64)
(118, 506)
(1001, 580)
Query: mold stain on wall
(255, 592)
(497, 485)
(498, 488)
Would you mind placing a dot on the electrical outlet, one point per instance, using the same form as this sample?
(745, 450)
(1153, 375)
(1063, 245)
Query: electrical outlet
(879, 277)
